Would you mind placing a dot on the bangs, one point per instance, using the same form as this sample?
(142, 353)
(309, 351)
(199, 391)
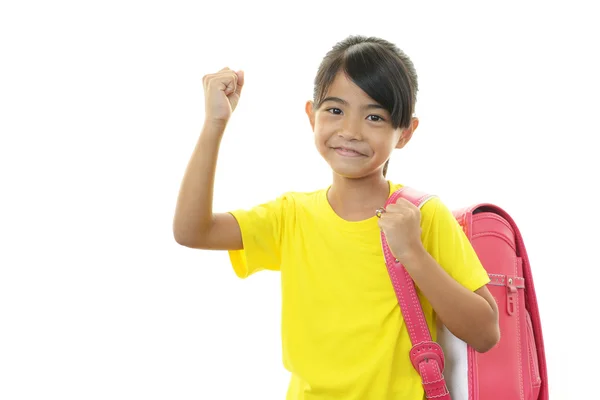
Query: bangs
(379, 73)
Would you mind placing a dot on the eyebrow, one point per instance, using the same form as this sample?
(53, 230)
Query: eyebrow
(344, 102)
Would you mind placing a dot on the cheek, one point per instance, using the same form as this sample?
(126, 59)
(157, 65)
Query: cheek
(321, 143)
(319, 127)
(324, 129)
(390, 139)
(382, 140)
(326, 121)
(320, 137)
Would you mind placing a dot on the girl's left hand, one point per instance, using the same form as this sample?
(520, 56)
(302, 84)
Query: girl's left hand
(401, 224)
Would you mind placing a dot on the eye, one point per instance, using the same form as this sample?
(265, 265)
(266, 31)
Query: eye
(378, 118)
(337, 109)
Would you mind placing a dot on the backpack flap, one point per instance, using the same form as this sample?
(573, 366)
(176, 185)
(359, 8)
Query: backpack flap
(522, 309)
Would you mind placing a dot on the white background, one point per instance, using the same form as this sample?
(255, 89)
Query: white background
(101, 104)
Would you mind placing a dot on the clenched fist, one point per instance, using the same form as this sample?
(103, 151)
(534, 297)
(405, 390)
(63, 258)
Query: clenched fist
(222, 93)
(401, 224)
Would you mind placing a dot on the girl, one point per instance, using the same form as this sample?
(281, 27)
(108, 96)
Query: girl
(342, 329)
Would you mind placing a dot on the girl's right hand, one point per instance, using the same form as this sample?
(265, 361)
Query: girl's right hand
(222, 93)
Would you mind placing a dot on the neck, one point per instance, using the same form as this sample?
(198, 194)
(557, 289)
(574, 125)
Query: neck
(358, 198)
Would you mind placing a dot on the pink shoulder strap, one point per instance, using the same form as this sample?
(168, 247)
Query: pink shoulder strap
(426, 356)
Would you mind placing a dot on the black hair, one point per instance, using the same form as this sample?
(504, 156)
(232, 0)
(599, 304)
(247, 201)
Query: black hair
(383, 71)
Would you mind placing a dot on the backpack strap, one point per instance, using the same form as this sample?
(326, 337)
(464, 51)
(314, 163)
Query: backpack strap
(427, 356)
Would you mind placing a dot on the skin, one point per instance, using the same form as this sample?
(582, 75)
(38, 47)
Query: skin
(369, 139)
(355, 136)
(357, 179)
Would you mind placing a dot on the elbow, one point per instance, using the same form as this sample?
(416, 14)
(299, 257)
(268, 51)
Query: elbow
(487, 342)
(488, 335)
(184, 238)
(181, 240)
(192, 235)
(488, 338)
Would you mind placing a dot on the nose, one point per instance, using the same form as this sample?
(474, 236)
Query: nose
(350, 130)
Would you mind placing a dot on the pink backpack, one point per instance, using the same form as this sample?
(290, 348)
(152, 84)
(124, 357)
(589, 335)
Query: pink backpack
(515, 369)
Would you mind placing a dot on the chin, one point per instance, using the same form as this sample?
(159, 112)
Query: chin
(352, 173)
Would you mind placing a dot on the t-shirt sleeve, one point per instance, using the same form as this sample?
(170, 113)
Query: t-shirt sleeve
(445, 240)
(261, 228)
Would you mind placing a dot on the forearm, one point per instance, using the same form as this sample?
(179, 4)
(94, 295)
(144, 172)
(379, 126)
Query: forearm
(466, 314)
(193, 214)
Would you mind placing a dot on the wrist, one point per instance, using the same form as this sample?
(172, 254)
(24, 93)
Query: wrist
(214, 128)
(414, 257)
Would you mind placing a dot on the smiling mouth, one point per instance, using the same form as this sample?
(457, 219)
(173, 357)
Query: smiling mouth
(347, 152)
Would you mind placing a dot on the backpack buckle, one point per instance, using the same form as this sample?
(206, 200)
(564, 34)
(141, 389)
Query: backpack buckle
(427, 351)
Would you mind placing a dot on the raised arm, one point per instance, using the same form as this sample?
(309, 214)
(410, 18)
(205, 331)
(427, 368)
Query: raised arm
(195, 225)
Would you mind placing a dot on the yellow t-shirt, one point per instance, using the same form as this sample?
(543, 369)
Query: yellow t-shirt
(342, 328)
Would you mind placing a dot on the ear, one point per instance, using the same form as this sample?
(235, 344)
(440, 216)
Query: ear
(407, 133)
(310, 113)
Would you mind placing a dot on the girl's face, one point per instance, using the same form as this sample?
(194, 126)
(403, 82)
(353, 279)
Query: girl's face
(353, 133)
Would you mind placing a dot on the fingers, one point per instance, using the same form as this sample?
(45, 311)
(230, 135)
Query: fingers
(403, 201)
(240, 81)
(398, 209)
(226, 79)
(398, 215)
(401, 207)
(389, 219)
